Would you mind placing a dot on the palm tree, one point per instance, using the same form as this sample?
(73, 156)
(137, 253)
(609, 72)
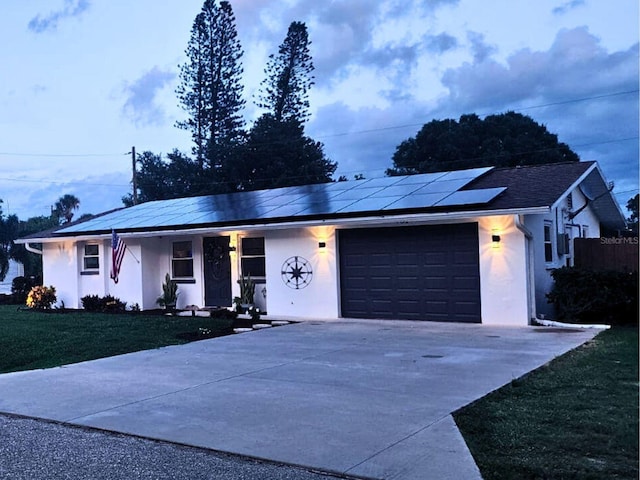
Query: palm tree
(65, 206)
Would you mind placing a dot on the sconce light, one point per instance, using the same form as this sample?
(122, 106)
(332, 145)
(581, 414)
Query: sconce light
(322, 244)
(495, 238)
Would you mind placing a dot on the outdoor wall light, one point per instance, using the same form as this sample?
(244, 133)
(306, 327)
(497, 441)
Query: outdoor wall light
(322, 244)
(495, 238)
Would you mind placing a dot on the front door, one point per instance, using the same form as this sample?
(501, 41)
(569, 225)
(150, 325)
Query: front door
(217, 272)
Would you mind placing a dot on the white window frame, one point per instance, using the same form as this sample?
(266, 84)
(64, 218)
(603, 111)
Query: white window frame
(548, 228)
(181, 259)
(86, 256)
(243, 256)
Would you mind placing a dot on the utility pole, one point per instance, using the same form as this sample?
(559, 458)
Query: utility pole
(135, 179)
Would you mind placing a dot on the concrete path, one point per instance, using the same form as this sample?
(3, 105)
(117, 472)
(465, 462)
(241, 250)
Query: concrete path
(363, 398)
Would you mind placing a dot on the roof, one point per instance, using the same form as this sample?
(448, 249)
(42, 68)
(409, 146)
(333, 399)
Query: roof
(410, 193)
(474, 190)
(532, 185)
(544, 185)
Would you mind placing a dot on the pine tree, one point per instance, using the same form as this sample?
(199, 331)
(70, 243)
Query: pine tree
(277, 153)
(289, 77)
(211, 89)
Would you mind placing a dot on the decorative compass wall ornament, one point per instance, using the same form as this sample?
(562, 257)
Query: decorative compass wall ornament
(296, 272)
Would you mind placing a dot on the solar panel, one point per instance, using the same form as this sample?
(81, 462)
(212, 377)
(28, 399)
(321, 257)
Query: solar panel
(421, 178)
(357, 193)
(441, 189)
(370, 204)
(424, 200)
(443, 186)
(379, 182)
(470, 197)
(469, 174)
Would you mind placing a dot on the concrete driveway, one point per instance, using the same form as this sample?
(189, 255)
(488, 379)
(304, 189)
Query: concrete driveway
(363, 398)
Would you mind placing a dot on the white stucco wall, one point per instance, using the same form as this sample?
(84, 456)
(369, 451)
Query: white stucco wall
(60, 269)
(504, 268)
(152, 271)
(130, 280)
(319, 299)
(503, 272)
(560, 221)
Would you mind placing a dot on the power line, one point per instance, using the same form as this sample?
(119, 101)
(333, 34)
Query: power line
(450, 163)
(543, 105)
(357, 132)
(62, 155)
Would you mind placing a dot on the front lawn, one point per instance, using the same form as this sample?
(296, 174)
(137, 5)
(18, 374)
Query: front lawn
(576, 418)
(31, 339)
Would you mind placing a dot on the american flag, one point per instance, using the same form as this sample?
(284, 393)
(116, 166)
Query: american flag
(118, 248)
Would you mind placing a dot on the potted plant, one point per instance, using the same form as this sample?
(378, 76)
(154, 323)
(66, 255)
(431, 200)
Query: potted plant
(247, 291)
(169, 296)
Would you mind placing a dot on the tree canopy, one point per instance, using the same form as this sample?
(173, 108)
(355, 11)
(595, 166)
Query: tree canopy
(10, 229)
(288, 79)
(632, 205)
(504, 140)
(211, 88)
(174, 176)
(277, 153)
(65, 207)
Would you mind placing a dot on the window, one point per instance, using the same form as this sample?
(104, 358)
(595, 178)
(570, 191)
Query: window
(91, 259)
(182, 260)
(252, 260)
(548, 243)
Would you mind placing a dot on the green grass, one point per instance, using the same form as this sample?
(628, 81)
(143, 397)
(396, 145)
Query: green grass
(575, 418)
(30, 339)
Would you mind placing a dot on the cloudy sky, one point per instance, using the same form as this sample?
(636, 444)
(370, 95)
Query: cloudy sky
(85, 80)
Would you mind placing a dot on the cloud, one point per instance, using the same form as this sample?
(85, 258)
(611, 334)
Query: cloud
(479, 48)
(575, 66)
(440, 43)
(72, 8)
(97, 194)
(567, 6)
(585, 94)
(141, 105)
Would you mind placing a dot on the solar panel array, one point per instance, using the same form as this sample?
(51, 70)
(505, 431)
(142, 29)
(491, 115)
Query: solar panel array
(375, 195)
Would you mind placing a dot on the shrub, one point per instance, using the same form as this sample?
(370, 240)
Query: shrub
(91, 303)
(224, 314)
(20, 287)
(41, 297)
(108, 304)
(595, 296)
(113, 305)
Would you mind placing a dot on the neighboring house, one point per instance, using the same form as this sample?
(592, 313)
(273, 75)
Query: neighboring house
(466, 246)
(16, 269)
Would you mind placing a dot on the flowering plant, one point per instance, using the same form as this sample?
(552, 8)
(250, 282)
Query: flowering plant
(41, 297)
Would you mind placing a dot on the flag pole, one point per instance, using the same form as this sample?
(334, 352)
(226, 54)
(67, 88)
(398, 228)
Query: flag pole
(131, 253)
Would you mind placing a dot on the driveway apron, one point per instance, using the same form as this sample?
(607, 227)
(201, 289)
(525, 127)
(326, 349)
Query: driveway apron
(364, 398)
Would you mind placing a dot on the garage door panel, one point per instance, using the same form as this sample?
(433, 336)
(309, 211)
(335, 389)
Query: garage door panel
(471, 283)
(464, 258)
(419, 273)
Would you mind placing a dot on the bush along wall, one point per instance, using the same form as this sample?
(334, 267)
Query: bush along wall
(582, 295)
(110, 304)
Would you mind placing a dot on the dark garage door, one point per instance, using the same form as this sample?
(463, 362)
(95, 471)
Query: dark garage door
(413, 273)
